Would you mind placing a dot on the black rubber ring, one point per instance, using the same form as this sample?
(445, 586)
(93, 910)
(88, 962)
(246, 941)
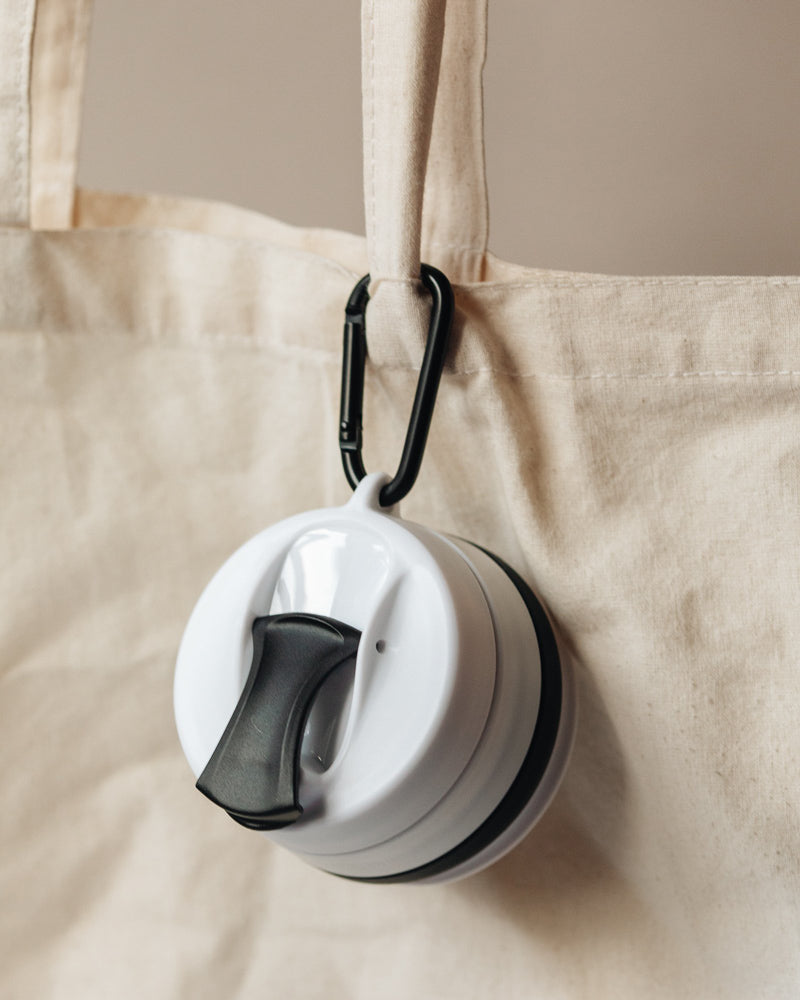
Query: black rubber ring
(536, 757)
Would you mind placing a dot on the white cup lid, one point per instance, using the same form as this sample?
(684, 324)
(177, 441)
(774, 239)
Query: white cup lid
(424, 674)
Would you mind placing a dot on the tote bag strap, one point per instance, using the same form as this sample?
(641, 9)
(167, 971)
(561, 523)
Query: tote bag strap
(455, 214)
(42, 57)
(424, 176)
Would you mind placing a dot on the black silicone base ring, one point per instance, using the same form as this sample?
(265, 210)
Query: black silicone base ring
(534, 764)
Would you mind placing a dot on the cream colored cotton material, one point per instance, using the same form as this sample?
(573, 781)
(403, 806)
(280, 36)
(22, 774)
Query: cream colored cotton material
(169, 376)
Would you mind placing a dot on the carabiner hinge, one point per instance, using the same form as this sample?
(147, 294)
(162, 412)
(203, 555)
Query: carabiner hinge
(353, 363)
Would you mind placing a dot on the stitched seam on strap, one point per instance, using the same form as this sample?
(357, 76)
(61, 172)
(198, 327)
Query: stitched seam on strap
(258, 244)
(333, 357)
(373, 220)
(597, 376)
(18, 154)
(546, 284)
(622, 281)
(252, 247)
(783, 373)
(455, 246)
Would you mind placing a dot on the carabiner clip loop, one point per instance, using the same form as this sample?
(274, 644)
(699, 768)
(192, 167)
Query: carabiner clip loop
(353, 361)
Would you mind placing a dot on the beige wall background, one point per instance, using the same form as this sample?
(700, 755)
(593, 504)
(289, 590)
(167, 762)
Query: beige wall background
(622, 137)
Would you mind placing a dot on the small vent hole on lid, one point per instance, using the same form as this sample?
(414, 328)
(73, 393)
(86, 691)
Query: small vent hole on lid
(380, 645)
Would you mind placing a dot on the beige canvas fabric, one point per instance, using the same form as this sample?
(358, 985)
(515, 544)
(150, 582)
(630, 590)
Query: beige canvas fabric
(168, 387)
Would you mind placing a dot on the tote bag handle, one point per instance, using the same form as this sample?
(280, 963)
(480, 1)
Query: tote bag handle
(42, 58)
(455, 213)
(417, 121)
(424, 175)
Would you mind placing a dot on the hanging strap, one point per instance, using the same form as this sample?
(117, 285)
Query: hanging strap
(423, 136)
(16, 38)
(401, 50)
(42, 56)
(455, 215)
(60, 43)
(424, 182)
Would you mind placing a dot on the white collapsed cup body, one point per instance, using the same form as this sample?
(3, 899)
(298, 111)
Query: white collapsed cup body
(436, 746)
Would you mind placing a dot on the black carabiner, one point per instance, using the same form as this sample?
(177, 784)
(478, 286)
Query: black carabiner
(353, 361)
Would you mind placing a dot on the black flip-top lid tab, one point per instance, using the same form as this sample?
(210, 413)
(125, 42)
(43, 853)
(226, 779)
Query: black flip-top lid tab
(254, 771)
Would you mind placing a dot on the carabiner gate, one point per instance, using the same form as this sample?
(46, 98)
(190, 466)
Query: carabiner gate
(353, 362)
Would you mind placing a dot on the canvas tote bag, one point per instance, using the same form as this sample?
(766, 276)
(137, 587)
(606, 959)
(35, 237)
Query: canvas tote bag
(169, 376)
